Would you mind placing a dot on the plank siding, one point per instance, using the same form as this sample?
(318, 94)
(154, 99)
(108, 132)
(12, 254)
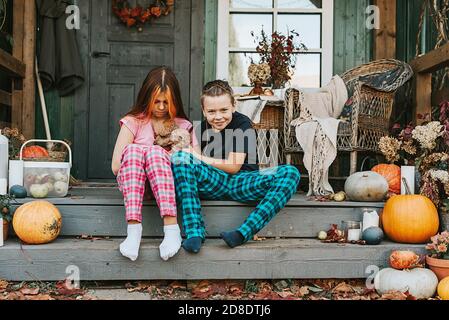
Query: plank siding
(353, 41)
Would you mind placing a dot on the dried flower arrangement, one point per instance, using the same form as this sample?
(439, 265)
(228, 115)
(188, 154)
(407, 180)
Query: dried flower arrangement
(16, 140)
(427, 148)
(259, 73)
(278, 51)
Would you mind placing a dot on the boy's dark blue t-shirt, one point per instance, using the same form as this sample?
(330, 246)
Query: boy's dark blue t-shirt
(238, 137)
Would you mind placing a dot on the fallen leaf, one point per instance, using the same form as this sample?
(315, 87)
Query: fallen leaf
(40, 297)
(394, 295)
(315, 289)
(236, 289)
(178, 285)
(203, 290)
(285, 294)
(343, 288)
(257, 238)
(3, 284)
(30, 291)
(281, 285)
(64, 290)
(304, 291)
(91, 238)
(265, 287)
(268, 295)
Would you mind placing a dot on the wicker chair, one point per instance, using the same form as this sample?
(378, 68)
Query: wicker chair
(370, 116)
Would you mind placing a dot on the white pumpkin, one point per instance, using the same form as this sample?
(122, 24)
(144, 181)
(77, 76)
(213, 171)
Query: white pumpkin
(420, 283)
(366, 186)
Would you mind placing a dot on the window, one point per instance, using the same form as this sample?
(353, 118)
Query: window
(312, 19)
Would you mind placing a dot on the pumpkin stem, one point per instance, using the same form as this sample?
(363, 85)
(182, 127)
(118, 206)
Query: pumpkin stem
(407, 188)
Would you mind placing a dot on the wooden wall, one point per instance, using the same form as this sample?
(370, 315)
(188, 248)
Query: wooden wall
(353, 41)
(5, 82)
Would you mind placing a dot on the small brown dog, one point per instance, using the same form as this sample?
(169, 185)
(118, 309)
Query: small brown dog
(170, 137)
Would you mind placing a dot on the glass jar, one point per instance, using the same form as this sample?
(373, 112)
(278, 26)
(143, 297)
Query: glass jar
(352, 230)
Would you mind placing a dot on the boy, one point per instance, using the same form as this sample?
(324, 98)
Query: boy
(226, 168)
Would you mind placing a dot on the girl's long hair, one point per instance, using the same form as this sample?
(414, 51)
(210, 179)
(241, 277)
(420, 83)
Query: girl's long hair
(159, 80)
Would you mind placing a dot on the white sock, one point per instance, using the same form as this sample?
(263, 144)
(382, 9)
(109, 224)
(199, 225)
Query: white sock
(172, 242)
(130, 247)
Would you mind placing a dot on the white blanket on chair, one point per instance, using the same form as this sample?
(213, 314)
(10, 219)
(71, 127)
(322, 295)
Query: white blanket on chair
(316, 131)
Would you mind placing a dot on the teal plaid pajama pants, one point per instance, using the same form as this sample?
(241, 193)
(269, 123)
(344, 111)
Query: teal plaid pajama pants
(271, 188)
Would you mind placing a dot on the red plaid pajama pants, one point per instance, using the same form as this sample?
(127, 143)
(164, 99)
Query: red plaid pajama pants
(138, 164)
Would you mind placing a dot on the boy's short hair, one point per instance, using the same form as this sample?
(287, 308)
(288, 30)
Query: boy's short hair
(217, 88)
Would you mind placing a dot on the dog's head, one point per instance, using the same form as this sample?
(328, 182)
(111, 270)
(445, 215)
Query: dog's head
(180, 139)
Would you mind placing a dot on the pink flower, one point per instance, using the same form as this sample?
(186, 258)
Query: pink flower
(445, 235)
(435, 239)
(431, 247)
(442, 248)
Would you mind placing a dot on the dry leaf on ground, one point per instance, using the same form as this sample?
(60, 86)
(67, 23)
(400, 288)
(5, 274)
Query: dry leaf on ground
(303, 291)
(343, 288)
(30, 291)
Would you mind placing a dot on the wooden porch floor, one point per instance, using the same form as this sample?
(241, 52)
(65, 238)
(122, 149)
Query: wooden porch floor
(290, 250)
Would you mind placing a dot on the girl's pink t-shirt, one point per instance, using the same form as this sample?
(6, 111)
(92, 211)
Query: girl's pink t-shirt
(143, 130)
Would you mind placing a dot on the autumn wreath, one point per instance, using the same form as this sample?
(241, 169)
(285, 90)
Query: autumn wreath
(138, 16)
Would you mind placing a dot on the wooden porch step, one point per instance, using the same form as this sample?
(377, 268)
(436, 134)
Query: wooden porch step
(271, 259)
(100, 212)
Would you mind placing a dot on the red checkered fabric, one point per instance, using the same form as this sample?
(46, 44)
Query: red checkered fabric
(138, 164)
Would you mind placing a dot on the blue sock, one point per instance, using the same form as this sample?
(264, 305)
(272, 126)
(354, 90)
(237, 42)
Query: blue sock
(193, 245)
(233, 238)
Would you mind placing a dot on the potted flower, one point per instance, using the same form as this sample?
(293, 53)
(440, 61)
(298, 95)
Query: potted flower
(438, 258)
(6, 213)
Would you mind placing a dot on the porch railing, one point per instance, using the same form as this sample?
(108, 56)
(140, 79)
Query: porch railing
(423, 67)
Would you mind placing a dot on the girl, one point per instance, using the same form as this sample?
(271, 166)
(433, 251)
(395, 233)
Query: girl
(137, 158)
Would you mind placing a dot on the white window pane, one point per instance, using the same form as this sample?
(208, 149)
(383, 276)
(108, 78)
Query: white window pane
(307, 72)
(251, 4)
(307, 25)
(238, 68)
(241, 26)
(300, 4)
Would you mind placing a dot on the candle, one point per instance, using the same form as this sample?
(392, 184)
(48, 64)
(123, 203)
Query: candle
(408, 172)
(370, 219)
(354, 234)
(3, 187)
(15, 173)
(1, 232)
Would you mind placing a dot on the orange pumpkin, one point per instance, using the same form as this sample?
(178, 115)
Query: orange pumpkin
(34, 152)
(410, 219)
(392, 173)
(401, 260)
(37, 222)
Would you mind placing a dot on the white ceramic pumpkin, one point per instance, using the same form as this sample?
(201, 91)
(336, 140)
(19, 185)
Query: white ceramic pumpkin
(420, 283)
(366, 186)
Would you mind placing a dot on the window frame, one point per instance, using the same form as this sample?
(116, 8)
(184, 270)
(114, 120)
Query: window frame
(327, 37)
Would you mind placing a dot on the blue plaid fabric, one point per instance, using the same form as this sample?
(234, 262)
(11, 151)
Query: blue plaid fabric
(271, 188)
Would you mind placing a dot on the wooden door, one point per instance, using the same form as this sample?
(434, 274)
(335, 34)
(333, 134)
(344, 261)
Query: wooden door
(120, 59)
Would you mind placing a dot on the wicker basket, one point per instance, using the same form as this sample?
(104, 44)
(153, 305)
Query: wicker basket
(270, 135)
(272, 117)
